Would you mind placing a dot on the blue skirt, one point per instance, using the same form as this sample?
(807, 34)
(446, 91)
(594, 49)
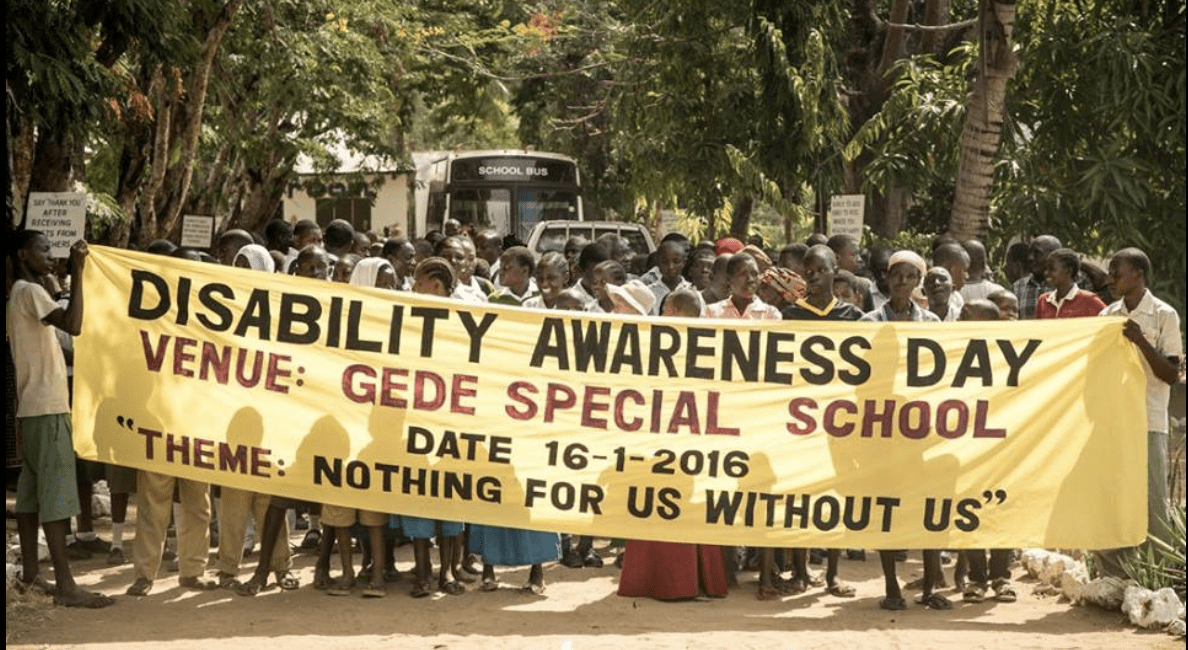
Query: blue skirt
(420, 528)
(512, 546)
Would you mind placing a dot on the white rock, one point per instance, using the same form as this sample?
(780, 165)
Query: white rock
(1176, 627)
(100, 505)
(1106, 593)
(1151, 609)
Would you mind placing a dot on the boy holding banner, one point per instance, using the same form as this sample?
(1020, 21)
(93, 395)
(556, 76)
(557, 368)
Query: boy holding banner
(46, 489)
(1153, 327)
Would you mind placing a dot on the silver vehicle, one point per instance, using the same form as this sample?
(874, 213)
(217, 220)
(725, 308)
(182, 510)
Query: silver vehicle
(552, 235)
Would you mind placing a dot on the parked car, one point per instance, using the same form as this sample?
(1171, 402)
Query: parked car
(552, 235)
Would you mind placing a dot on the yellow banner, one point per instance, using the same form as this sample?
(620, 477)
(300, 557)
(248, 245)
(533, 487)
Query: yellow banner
(777, 433)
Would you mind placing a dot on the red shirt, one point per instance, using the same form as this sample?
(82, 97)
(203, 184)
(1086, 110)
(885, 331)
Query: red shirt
(1078, 303)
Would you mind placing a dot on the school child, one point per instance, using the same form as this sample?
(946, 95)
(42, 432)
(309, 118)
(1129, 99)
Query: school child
(996, 575)
(904, 270)
(845, 287)
(46, 490)
(312, 262)
(588, 260)
(667, 570)
(237, 506)
(513, 546)
(1152, 326)
(155, 508)
(1066, 299)
(978, 285)
(670, 262)
(515, 286)
(459, 251)
(435, 277)
(343, 268)
(820, 269)
(700, 267)
(606, 273)
(938, 290)
(1007, 303)
(719, 285)
(401, 254)
(743, 273)
(552, 277)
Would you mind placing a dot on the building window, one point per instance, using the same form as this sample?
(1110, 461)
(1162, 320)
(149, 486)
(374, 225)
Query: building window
(357, 211)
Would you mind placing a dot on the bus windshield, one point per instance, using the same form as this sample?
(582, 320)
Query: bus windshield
(507, 191)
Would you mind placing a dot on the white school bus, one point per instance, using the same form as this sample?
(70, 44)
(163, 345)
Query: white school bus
(508, 190)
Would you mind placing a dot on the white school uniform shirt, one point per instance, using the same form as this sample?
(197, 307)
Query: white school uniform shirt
(1161, 327)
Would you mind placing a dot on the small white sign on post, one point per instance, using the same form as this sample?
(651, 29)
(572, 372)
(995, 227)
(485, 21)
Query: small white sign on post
(62, 216)
(846, 212)
(197, 231)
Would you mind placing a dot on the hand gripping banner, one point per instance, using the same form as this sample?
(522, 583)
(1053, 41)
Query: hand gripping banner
(902, 435)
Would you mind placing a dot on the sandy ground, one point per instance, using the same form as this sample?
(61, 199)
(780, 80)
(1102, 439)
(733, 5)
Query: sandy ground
(579, 610)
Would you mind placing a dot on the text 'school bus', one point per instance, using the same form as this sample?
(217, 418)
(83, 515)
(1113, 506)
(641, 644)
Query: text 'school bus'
(509, 191)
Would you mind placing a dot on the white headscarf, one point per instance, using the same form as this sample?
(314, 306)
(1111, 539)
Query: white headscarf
(258, 258)
(367, 271)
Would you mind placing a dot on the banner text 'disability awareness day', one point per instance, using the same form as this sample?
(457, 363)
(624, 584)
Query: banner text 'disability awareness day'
(732, 432)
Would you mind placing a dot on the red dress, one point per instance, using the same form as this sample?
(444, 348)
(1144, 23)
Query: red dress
(671, 571)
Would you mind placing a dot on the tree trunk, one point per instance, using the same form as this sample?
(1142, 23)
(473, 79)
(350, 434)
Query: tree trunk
(196, 102)
(983, 122)
(740, 220)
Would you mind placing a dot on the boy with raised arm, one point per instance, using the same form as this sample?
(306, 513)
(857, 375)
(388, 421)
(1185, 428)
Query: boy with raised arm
(46, 490)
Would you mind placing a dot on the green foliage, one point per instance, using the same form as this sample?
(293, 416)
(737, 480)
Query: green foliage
(1158, 563)
(1095, 152)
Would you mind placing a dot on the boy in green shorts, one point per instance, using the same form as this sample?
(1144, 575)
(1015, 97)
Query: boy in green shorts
(46, 489)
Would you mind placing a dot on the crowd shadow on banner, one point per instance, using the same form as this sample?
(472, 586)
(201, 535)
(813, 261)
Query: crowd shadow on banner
(328, 439)
(122, 411)
(887, 463)
(1089, 486)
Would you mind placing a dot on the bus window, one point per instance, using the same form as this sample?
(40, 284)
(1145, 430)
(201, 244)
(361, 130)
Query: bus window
(539, 204)
(482, 208)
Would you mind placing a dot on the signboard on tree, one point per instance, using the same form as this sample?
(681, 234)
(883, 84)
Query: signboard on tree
(197, 231)
(846, 212)
(62, 216)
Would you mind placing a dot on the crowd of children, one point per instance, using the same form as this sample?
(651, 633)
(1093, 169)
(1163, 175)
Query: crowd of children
(824, 279)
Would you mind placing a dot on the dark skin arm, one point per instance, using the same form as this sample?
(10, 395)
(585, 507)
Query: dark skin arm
(69, 320)
(1165, 368)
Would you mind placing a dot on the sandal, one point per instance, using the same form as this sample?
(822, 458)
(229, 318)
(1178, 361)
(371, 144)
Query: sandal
(249, 588)
(311, 540)
(373, 590)
(453, 588)
(341, 587)
(893, 604)
(471, 565)
(225, 580)
(797, 586)
(287, 581)
(934, 601)
(420, 590)
(1004, 592)
(533, 588)
(322, 581)
(974, 592)
(767, 593)
(489, 584)
(841, 590)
